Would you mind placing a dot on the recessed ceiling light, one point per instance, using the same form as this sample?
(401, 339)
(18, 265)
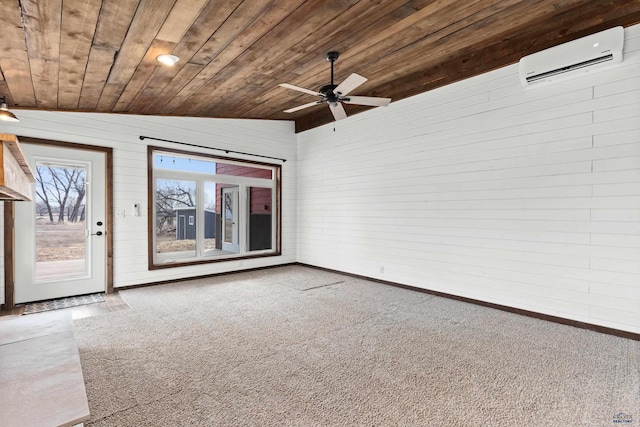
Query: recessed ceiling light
(167, 59)
(596, 44)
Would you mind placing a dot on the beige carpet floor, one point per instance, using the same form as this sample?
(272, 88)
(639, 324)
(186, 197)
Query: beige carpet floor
(295, 346)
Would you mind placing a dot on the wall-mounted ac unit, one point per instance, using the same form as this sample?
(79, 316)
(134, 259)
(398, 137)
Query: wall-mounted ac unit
(578, 56)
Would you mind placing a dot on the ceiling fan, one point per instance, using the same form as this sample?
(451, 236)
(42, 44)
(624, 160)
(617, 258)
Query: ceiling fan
(335, 95)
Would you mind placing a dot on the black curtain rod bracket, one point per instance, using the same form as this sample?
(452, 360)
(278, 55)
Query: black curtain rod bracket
(142, 138)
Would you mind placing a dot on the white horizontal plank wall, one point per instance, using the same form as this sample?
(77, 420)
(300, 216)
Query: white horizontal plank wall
(121, 132)
(528, 198)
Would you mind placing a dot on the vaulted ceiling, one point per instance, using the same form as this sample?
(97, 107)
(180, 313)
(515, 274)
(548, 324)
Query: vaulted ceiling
(100, 55)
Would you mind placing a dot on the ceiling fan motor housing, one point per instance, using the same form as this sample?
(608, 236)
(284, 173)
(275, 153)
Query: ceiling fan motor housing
(327, 91)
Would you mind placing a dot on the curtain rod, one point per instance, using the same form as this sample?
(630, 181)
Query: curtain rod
(142, 138)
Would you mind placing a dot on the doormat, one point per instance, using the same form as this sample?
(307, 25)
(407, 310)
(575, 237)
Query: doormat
(55, 304)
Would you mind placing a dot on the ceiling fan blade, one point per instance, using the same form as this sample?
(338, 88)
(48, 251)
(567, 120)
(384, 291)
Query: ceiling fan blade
(338, 111)
(300, 89)
(349, 84)
(367, 100)
(302, 107)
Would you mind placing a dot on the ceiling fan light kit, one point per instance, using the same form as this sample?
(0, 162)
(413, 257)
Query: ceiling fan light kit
(335, 95)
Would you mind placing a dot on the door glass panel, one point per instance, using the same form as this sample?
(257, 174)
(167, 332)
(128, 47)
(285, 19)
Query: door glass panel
(61, 237)
(176, 225)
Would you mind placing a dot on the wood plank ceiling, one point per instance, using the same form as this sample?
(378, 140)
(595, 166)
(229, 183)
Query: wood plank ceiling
(100, 55)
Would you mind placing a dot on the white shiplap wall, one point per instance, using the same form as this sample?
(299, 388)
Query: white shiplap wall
(525, 198)
(121, 132)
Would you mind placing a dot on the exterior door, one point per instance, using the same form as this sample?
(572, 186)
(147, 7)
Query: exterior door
(230, 238)
(60, 240)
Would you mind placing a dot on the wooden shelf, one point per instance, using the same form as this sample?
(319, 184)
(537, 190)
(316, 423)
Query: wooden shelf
(15, 174)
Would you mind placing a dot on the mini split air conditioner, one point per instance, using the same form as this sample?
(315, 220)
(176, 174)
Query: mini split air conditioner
(578, 56)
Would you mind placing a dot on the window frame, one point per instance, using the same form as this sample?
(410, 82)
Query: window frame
(244, 183)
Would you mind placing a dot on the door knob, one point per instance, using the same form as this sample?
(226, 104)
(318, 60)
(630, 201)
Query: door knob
(99, 233)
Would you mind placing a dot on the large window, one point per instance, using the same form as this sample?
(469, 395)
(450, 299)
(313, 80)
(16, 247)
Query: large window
(205, 208)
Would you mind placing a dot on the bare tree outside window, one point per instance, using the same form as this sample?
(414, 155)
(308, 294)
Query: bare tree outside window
(60, 214)
(61, 193)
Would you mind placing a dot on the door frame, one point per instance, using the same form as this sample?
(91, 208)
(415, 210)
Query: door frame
(9, 230)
